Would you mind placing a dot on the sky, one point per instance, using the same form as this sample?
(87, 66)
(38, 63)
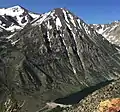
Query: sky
(91, 11)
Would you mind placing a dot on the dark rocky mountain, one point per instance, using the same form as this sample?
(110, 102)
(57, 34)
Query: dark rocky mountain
(54, 56)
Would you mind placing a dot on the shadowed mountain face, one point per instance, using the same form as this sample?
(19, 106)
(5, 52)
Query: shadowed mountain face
(55, 55)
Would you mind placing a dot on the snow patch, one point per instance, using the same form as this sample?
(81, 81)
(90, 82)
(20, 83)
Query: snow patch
(58, 23)
(105, 35)
(34, 15)
(65, 15)
(48, 36)
(100, 31)
(78, 20)
(72, 19)
(43, 18)
(13, 28)
(9, 37)
(113, 27)
(116, 40)
(49, 26)
(0, 22)
(52, 14)
(13, 43)
(118, 50)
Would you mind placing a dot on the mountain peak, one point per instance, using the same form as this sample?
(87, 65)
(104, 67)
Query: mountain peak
(13, 11)
(62, 15)
(15, 18)
(58, 9)
(63, 11)
(16, 6)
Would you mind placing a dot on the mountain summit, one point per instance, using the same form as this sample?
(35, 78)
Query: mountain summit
(54, 55)
(15, 18)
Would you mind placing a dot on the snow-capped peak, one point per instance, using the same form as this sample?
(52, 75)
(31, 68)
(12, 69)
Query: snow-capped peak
(62, 20)
(110, 31)
(15, 18)
(60, 17)
(15, 11)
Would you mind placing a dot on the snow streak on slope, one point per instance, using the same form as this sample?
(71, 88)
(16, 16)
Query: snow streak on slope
(60, 17)
(58, 23)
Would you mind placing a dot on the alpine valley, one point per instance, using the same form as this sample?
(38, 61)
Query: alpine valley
(45, 58)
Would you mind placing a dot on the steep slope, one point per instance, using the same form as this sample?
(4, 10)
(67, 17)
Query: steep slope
(110, 31)
(53, 56)
(92, 101)
(4, 33)
(15, 18)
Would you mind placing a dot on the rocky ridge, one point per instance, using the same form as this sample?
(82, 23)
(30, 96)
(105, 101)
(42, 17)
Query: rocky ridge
(110, 31)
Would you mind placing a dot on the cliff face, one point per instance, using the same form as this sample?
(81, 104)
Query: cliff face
(53, 56)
